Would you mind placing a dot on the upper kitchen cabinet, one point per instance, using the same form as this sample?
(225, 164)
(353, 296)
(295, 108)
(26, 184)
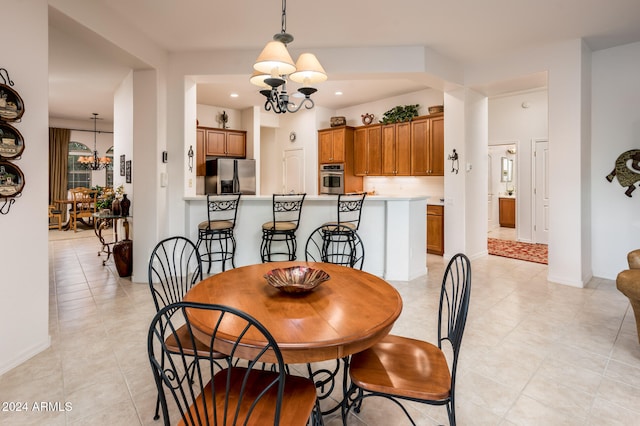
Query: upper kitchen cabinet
(332, 144)
(427, 146)
(367, 146)
(396, 149)
(225, 143)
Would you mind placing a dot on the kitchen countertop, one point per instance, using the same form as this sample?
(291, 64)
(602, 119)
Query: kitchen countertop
(329, 197)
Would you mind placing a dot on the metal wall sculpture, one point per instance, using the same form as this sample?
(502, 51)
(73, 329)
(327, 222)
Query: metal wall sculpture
(627, 170)
(11, 143)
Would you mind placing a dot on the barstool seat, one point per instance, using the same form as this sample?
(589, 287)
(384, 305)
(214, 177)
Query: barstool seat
(279, 234)
(217, 231)
(334, 226)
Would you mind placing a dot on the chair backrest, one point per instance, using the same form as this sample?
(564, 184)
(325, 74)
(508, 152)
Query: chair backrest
(350, 209)
(454, 305)
(223, 208)
(84, 201)
(174, 267)
(199, 391)
(288, 208)
(337, 244)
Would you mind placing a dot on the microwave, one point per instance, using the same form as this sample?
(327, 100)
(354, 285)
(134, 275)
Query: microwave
(332, 179)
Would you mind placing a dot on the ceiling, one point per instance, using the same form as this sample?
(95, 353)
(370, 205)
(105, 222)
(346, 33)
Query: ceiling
(85, 70)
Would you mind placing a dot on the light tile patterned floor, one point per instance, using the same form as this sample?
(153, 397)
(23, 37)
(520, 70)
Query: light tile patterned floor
(534, 353)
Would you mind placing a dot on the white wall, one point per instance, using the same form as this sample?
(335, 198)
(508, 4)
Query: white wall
(510, 122)
(24, 305)
(615, 224)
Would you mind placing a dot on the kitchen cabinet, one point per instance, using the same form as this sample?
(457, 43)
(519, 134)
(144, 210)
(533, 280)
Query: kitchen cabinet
(427, 146)
(367, 147)
(333, 143)
(201, 157)
(507, 212)
(225, 143)
(396, 149)
(435, 229)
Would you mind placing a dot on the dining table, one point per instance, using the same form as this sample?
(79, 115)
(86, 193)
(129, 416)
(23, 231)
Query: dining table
(346, 314)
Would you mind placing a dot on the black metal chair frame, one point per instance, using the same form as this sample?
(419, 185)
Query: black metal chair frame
(220, 208)
(172, 369)
(452, 317)
(337, 244)
(176, 266)
(349, 210)
(286, 208)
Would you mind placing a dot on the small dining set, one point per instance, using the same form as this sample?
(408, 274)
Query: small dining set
(243, 347)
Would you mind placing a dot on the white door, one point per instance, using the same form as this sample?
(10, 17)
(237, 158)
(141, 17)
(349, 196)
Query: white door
(293, 170)
(541, 192)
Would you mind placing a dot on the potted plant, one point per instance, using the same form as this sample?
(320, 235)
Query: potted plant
(400, 113)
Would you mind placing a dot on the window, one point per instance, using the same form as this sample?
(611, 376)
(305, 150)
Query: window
(76, 174)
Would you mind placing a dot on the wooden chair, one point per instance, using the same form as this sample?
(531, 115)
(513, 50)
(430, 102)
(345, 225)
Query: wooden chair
(174, 267)
(400, 368)
(83, 206)
(197, 393)
(56, 214)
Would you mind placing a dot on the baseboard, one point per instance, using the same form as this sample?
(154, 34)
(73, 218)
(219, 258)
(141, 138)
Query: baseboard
(25, 356)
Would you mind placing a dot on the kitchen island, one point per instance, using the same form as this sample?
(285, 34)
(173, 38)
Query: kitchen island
(392, 230)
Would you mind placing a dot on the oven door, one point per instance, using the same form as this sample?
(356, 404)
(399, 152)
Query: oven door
(331, 182)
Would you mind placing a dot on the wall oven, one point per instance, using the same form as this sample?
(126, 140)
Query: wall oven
(332, 178)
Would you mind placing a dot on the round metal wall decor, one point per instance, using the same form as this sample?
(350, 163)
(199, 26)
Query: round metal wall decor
(11, 104)
(11, 179)
(11, 142)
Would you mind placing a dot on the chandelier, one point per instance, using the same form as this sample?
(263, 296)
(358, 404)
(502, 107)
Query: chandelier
(94, 162)
(274, 66)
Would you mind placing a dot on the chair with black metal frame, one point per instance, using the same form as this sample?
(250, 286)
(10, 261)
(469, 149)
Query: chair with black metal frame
(338, 245)
(218, 230)
(281, 231)
(349, 211)
(236, 394)
(174, 267)
(401, 368)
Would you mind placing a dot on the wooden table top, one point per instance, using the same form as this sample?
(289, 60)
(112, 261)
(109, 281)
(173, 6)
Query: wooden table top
(342, 316)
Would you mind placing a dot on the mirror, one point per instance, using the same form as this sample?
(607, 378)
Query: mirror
(506, 170)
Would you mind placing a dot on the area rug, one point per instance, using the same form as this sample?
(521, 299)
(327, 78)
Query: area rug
(517, 250)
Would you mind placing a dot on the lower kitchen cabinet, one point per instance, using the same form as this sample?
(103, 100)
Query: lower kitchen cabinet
(435, 229)
(507, 212)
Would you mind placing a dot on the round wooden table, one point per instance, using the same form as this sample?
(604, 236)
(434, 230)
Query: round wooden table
(346, 314)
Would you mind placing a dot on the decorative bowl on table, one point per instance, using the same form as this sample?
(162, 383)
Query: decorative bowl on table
(296, 279)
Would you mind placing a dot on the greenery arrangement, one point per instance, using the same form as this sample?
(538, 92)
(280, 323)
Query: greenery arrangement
(400, 113)
(107, 195)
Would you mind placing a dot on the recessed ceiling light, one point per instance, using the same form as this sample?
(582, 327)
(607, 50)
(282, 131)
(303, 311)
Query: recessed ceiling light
(234, 95)
(338, 93)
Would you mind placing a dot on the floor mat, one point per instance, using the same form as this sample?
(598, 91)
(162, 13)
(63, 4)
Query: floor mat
(517, 250)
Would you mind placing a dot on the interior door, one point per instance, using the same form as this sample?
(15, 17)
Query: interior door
(541, 191)
(293, 170)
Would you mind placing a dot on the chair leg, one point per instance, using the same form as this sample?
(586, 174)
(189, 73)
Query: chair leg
(157, 414)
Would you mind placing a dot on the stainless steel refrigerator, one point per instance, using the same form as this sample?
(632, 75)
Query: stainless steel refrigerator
(229, 175)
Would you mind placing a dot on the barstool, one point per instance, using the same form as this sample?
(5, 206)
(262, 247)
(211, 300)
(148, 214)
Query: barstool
(221, 220)
(287, 209)
(341, 243)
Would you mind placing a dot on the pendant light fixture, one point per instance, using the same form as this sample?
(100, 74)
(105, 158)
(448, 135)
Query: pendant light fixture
(94, 162)
(274, 66)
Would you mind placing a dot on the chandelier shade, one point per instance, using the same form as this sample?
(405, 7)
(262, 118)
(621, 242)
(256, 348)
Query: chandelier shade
(274, 66)
(308, 70)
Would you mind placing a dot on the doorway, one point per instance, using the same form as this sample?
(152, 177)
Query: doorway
(293, 171)
(502, 200)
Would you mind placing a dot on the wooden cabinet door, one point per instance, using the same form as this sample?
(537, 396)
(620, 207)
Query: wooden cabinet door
(215, 142)
(338, 146)
(436, 146)
(360, 152)
(325, 147)
(201, 156)
(403, 149)
(507, 212)
(388, 150)
(374, 151)
(236, 144)
(419, 147)
(435, 229)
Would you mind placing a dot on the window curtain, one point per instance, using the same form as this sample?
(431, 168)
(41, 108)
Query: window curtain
(58, 156)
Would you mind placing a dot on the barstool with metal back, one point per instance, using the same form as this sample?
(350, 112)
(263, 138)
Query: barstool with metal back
(338, 242)
(222, 211)
(279, 235)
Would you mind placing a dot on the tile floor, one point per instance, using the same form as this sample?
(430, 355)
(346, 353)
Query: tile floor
(534, 353)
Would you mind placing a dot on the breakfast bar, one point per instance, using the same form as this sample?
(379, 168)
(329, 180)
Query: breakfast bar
(392, 229)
